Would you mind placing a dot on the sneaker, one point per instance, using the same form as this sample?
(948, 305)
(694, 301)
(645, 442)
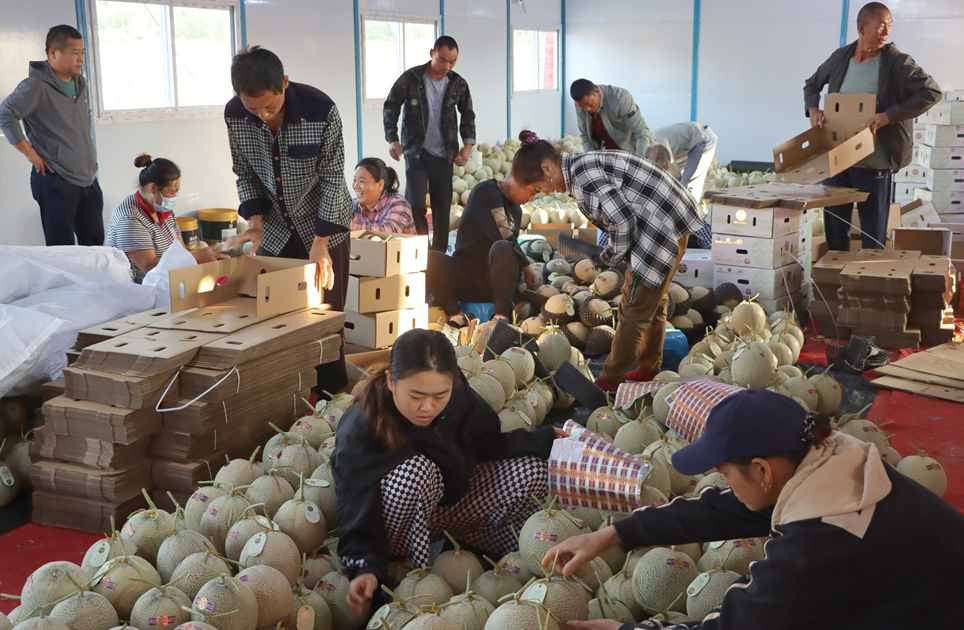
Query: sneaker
(606, 386)
(640, 377)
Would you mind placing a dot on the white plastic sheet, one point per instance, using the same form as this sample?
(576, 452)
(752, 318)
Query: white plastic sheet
(24, 335)
(29, 270)
(176, 257)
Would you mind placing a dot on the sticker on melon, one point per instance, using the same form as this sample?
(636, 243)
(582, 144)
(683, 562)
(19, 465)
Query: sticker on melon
(6, 476)
(100, 554)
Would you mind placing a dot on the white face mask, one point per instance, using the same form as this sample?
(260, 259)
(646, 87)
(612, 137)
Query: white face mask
(167, 203)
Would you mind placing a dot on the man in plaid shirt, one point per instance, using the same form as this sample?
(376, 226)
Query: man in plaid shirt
(289, 156)
(648, 216)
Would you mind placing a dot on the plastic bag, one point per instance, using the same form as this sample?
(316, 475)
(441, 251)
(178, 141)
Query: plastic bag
(24, 335)
(29, 270)
(176, 257)
(74, 308)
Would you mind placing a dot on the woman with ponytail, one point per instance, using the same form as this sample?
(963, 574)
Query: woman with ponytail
(143, 226)
(378, 205)
(422, 453)
(844, 526)
(648, 215)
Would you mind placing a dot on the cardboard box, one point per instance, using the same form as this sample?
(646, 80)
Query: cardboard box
(860, 318)
(551, 231)
(374, 295)
(695, 269)
(954, 95)
(404, 253)
(945, 180)
(913, 174)
(917, 134)
(930, 241)
(590, 235)
(818, 247)
(944, 135)
(81, 513)
(378, 330)
(796, 302)
(945, 202)
(918, 213)
(817, 154)
(279, 285)
(765, 253)
(766, 284)
(145, 352)
(754, 222)
(941, 157)
(945, 113)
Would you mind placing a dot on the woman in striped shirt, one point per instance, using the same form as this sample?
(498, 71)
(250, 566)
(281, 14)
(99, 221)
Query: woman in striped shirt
(378, 205)
(143, 225)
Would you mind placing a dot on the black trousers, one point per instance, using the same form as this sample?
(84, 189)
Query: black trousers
(67, 209)
(873, 212)
(433, 174)
(496, 280)
(332, 377)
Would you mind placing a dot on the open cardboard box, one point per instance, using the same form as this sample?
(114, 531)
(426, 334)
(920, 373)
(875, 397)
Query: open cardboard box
(933, 241)
(374, 295)
(918, 213)
(391, 255)
(816, 154)
(280, 285)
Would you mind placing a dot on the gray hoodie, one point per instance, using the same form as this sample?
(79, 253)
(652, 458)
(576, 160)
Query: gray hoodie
(57, 126)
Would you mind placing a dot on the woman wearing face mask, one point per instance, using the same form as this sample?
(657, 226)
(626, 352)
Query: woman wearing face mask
(423, 453)
(143, 226)
(378, 205)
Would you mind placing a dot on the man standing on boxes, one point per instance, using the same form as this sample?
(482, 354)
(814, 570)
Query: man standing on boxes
(289, 157)
(609, 118)
(872, 66)
(429, 95)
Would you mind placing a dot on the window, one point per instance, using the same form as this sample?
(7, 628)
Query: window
(163, 58)
(389, 47)
(535, 64)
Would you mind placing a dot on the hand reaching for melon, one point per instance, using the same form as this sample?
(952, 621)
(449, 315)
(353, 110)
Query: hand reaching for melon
(574, 552)
(361, 590)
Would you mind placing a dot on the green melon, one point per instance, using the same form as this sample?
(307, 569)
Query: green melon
(925, 470)
(707, 591)
(659, 578)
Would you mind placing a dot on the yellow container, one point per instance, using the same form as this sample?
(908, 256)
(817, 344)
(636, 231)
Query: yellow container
(218, 224)
(190, 232)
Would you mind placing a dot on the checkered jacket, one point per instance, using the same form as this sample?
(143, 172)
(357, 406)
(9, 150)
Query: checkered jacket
(294, 179)
(644, 209)
(408, 95)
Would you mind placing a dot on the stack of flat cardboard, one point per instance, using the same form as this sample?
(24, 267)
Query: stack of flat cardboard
(386, 288)
(935, 373)
(144, 401)
(826, 283)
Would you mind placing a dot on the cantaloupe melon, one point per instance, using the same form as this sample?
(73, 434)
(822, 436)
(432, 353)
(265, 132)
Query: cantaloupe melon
(925, 470)
(200, 500)
(489, 388)
(522, 364)
(275, 549)
(86, 611)
(455, 565)
(147, 529)
(162, 606)
(50, 582)
(561, 597)
(431, 588)
(225, 594)
(542, 531)
(468, 611)
(502, 372)
(176, 547)
(554, 349)
(271, 591)
(240, 472)
(519, 614)
(659, 578)
(707, 591)
(304, 522)
(318, 611)
(333, 588)
(196, 570)
(115, 582)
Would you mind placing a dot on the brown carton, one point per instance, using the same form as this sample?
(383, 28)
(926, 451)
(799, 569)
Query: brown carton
(390, 255)
(817, 154)
(376, 295)
(377, 330)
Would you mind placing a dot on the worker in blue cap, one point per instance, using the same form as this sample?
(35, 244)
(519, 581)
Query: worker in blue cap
(853, 543)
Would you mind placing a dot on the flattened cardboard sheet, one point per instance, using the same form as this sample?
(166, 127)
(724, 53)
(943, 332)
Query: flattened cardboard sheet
(120, 326)
(82, 418)
(87, 451)
(119, 390)
(144, 352)
(114, 486)
(784, 195)
(81, 513)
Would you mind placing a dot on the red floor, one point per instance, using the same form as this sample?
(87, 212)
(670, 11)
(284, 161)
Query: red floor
(928, 424)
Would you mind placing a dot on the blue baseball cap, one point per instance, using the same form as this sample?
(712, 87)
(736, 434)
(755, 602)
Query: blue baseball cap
(749, 423)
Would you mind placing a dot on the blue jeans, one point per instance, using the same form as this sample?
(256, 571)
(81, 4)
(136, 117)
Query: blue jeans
(873, 212)
(67, 209)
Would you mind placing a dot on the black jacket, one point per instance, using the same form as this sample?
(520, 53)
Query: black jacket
(489, 217)
(408, 96)
(465, 433)
(855, 545)
(904, 91)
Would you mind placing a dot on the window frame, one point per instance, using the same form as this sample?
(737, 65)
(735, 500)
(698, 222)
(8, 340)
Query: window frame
(150, 114)
(544, 28)
(365, 16)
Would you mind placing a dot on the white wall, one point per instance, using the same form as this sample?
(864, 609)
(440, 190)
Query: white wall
(753, 58)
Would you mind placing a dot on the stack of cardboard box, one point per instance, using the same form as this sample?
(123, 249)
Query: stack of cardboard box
(941, 154)
(898, 296)
(386, 288)
(144, 402)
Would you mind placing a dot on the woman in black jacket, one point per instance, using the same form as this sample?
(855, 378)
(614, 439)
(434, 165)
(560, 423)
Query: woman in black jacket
(422, 453)
(854, 543)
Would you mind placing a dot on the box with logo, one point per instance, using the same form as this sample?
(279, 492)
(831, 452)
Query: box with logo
(950, 202)
(944, 135)
(378, 330)
(374, 295)
(945, 180)
(945, 113)
(754, 222)
(913, 174)
(382, 254)
(747, 251)
(766, 284)
(941, 157)
(918, 213)
(696, 269)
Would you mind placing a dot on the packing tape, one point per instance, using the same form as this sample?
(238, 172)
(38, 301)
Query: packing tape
(157, 407)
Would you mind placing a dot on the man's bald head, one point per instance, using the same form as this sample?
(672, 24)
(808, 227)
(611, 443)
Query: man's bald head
(869, 12)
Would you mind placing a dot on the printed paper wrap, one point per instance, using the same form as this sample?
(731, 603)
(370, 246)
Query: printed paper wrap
(587, 471)
(690, 405)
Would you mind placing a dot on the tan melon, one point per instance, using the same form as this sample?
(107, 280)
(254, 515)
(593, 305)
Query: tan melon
(275, 549)
(925, 470)
(489, 388)
(196, 570)
(271, 591)
(659, 578)
(165, 603)
(502, 372)
(706, 592)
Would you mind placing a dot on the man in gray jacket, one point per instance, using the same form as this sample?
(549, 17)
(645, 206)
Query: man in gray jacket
(872, 66)
(54, 105)
(608, 118)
